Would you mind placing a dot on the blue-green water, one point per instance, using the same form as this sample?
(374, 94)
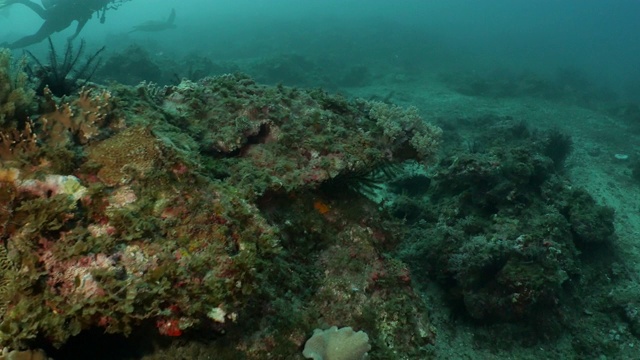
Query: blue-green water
(597, 37)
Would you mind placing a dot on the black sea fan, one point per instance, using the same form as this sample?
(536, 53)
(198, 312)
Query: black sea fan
(366, 181)
(66, 76)
(557, 146)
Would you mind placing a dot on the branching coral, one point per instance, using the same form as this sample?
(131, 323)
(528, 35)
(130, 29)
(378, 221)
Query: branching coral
(7, 270)
(80, 119)
(16, 99)
(14, 142)
(63, 125)
(15, 95)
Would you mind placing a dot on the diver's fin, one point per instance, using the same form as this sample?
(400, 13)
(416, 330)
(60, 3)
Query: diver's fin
(172, 17)
(154, 25)
(5, 3)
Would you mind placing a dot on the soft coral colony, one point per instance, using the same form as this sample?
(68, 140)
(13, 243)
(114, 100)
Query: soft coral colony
(142, 207)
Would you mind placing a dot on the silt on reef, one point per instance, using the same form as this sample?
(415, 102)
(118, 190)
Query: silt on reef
(169, 216)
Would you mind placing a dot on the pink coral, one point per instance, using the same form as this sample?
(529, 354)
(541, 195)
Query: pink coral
(73, 278)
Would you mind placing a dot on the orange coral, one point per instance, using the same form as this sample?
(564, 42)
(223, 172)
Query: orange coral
(321, 207)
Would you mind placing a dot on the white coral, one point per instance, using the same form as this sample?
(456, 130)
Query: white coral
(53, 185)
(337, 344)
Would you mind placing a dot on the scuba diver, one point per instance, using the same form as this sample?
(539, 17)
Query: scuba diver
(154, 25)
(58, 15)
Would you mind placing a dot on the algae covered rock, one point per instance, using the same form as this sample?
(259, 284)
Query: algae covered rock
(503, 231)
(200, 209)
(117, 254)
(271, 138)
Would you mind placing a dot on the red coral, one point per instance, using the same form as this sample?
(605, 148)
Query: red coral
(169, 327)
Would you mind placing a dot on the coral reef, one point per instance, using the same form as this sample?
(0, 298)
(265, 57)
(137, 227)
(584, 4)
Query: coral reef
(283, 138)
(80, 120)
(239, 216)
(15, 95)
(200, 208)
(14, 142)
(503, 232)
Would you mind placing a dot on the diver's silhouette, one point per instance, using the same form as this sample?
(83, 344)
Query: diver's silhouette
(155, 25)
(57, 15)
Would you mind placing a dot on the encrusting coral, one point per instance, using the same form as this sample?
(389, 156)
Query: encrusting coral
(128, 213)
(282, 138)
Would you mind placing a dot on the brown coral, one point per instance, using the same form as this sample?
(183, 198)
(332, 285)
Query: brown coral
(23, 355)
(14, 142)
(81, 119)
(15, 96)
(132, 150)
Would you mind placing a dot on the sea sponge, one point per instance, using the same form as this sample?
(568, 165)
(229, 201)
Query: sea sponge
(337, 344)
(9, 175)
(53, 185)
